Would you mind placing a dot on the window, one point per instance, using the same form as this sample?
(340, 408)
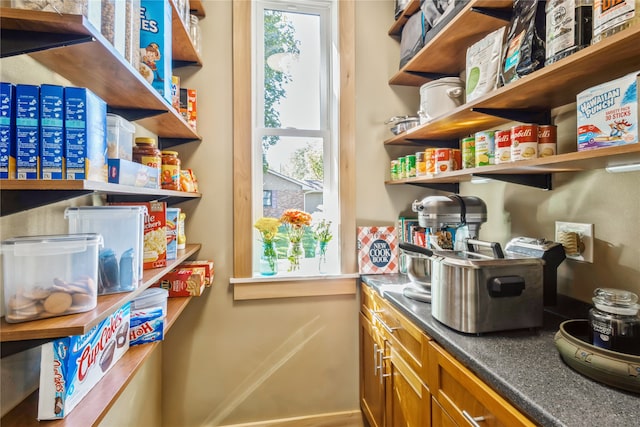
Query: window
(297, 146)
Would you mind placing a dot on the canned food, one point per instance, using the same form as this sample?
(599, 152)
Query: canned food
(444, 160)
(503, 146)
(421, 164)
(430, 160)
(411, 166)
(468, 152)
(547, 140)
(524, 142)
(395, 164)
(457, 159)
(402, 167)
(485, 148)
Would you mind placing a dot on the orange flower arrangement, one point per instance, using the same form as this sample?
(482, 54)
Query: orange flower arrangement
(295, 221)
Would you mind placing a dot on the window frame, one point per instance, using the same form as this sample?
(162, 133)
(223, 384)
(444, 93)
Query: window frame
(243, 137)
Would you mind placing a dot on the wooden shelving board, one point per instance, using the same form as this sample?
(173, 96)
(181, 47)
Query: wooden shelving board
(197, 8)
(111, 77)
(77, 324)
(101, 398)
(183, 48)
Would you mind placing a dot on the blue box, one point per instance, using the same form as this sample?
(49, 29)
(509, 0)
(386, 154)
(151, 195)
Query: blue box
(7, 131)
(85, 135)
(155, 45)
(27, 131)
(51, 131)
(126, 172)
(172, 232)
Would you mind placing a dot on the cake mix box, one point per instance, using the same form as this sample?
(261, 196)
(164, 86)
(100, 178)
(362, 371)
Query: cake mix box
(7, 131)
(27, 131)
(85, 135)
(183, 282)
(608, 113)
(155, 45)
(70, 367)
(51, 131)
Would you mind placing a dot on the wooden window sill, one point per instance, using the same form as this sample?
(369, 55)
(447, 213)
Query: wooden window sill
(251, 288)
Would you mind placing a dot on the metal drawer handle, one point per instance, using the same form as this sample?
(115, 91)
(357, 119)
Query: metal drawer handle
(384, 325)
(471, 419)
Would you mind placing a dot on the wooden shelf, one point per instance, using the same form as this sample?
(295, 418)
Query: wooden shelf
(184, 52)
(446, 52)
(569, 162)
(97, 65)
(95, 405)
(77, 324)
(412, 7)
(197, 8)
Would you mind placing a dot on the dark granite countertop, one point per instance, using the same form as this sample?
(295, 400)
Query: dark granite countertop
(523, 366)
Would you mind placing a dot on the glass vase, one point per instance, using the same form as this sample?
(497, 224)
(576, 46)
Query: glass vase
(295, 252)
(321, 257)
(268, 259)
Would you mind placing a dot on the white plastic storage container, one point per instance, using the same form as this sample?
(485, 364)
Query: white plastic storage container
(48, 276)
(148, 313)
(119, 137)
(122, 227)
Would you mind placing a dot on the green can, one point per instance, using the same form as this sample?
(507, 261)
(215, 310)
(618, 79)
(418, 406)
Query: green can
(468, 147)
(410, 166)
(402, 167)
(395, 164)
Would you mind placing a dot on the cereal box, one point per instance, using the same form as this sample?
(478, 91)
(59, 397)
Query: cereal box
(27, 131)
(183, 282)
(7, 131)
(608, 114)
(155, 45)
(70, 367)
(208, 269)
(51, 131)
(172, 232)
(192, 108)
(85, 135)
(377, 250)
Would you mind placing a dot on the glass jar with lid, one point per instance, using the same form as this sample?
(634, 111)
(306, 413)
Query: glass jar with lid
(194, 32)
(614, 323)
(146, 151)
(170, 178)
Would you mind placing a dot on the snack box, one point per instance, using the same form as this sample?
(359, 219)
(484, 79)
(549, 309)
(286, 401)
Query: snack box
(122, 228)
(608, 114)
(208, 269)
(51, 131)
(172, 232)
(7, 131)
(49, 276)
(148, 313)
(126, 172)
(70, 367)
(183, 282)
(155, 45)
(85, 135)
(155, 234)
(27, 131)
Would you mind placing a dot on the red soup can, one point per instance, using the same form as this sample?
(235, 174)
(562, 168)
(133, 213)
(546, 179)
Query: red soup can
(503, 146)
(547, 140)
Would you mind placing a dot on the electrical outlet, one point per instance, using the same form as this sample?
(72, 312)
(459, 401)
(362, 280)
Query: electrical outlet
(584, 244)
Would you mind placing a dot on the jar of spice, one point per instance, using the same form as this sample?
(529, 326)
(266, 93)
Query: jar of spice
(170, 171)
(146, 151)
(613, 321)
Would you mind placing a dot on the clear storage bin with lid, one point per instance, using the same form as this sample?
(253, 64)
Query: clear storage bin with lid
(613, 321)
(119, 137)
(120, 261)
(49, 275)
(148, 313)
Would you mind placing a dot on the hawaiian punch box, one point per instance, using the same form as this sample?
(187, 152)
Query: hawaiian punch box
(85, 135)
(51, 131)
(70, 367)
(608, 114)
(155, 45)
(27, 131)
(7, 131)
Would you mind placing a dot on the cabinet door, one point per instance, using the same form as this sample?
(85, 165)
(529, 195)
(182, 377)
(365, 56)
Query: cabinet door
(371, 381)
(439, 417)
(409, 400)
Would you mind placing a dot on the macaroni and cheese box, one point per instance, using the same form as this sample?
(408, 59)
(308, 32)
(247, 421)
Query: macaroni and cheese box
(70, 367)
(155, 234)
(51, 131)
(183, 282)
(7, 131)
(208, 269)
(608, 113)
(27, 131)
(155, 45)
(85, 135)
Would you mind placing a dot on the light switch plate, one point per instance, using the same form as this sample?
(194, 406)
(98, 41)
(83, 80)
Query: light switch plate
(584, 232)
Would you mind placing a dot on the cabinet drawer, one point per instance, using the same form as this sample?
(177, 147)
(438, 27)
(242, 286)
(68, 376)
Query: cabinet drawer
(439, 417)
(464, 396)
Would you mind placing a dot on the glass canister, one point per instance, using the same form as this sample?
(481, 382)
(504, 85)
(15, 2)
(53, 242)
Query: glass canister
(170, 171)
(194, 32)
(614, 323)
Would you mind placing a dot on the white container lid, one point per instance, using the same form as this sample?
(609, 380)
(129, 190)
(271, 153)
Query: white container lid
(152, 297)
(455, 81)
(53, 243)
(110, 211)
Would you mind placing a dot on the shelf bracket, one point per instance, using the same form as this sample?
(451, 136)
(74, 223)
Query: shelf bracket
(133, 114)
(429, 75)
(448, 188)
(172, 142)
(14, 201)
(542, 181)
(16, 42)
(444, 143)
(176, 63)
(9, 348)
(518, 115)
(503, 14)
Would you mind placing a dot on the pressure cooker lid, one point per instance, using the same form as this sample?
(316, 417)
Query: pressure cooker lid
(448, 81)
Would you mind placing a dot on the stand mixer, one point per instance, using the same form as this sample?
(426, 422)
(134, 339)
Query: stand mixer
(437, 213)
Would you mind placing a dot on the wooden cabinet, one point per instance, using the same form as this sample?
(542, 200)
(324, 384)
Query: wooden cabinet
(528, 99)
(409, 380)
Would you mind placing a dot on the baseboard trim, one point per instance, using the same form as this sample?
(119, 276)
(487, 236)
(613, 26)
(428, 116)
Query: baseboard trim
(334, 419)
